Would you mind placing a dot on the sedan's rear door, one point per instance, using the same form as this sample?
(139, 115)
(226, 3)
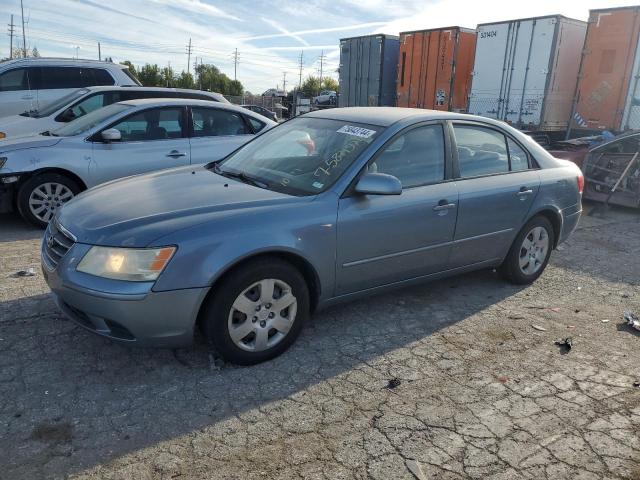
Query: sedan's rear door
(497, 185)
(216, 132)
(383, 239)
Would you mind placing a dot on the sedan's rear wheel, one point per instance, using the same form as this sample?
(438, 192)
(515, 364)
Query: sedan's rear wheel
(530, 252)
(257, 311)
(40, 197)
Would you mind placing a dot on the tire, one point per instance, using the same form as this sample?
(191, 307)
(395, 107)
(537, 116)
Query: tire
(32, 196)
(243, 288)
(519, 266)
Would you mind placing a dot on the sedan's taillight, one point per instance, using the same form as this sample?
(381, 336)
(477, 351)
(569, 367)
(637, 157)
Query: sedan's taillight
(580, 182)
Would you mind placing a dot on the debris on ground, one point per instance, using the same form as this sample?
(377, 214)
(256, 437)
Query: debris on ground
(565, 344)
(632, 320)
(636, 384)
(605, 320)
(29, 272)
(415, 468)
(625, 295)
(503, 379)
(539, 328)
(570, 327)
(393, 383)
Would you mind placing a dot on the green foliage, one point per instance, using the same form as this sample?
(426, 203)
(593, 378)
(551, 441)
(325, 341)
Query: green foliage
(132, 68)
(205, 77)
(312, 85)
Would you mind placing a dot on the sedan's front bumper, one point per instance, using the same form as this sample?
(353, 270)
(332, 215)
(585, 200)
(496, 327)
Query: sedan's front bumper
(123, 311)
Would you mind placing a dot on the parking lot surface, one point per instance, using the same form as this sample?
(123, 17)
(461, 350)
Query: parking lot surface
(455, 379)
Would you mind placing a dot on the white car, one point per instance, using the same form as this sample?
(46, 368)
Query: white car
(86, 100)
(40, 173)
(326, 97)
(31, 83)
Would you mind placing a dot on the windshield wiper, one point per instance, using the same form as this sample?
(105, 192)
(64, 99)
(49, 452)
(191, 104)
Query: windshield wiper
(243, 177)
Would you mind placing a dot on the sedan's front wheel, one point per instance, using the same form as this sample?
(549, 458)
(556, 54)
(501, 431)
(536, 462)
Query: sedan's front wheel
(40, 197)
(530, 252)
(257, 311)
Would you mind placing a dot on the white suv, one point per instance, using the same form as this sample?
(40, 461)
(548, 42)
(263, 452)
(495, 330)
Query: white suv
(31, 83)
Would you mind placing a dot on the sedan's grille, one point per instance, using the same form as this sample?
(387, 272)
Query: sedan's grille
(56, 244)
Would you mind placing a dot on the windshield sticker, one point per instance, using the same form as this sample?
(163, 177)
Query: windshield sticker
(317, 185)
(357, 131)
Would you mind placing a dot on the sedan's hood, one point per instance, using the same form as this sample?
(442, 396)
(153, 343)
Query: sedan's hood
(20, 143)
(137, 210)
(19, 125)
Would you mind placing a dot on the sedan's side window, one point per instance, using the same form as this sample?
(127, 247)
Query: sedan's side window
(88, 105)
(481, 151)
(14, 80)
(257, 125)
(517, 156)
(415, 158)
(156, 124)
(210, 122)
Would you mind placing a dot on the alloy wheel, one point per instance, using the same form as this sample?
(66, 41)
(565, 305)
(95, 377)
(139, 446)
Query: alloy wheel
(47, 198)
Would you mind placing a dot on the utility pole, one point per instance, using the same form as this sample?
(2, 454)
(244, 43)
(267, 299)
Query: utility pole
(189, 56)
(24, 38)
(11, 32)
(99, 53)
(284, 82)
(235, 64)
(300, 75)
(322, 57)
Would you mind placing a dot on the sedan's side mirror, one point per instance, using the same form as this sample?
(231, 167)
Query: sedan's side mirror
(111, 135)
(378, 184)
(68, 115)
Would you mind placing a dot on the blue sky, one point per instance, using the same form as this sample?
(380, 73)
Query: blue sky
(269, 36)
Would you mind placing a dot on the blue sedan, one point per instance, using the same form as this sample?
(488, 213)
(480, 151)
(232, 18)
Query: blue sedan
(331, 206)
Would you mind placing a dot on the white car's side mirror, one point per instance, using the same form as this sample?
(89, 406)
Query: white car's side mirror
(111, 135)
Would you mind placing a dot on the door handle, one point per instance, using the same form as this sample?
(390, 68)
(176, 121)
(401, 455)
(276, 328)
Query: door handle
(523, 192)
(176, 154)
(443, 205)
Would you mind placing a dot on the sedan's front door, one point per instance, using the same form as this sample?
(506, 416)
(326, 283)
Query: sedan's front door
(151, 140)
(215, 133)
(386, 239)
(497, 187)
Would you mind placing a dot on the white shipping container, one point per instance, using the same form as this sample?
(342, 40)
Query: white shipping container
(525, 71)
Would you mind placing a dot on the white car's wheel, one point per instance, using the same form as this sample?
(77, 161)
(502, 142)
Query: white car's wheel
(40, 197)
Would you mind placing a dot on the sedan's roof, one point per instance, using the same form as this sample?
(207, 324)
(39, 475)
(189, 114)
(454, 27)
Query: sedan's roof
(381, 116)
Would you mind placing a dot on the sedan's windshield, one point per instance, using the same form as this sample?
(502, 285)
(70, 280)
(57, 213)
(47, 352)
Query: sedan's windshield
(90, 120)
(304, 156)
(52, 108)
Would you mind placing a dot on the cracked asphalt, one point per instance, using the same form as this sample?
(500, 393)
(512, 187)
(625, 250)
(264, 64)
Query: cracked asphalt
(446, 380)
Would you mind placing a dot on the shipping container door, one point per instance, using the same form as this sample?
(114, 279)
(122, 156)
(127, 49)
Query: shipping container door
(374, 70)
(489, 70)
(631, 118)
(461, 71)
(610, 47)
(526, 87)
(417, 68)
(404, 69)
(441, 92)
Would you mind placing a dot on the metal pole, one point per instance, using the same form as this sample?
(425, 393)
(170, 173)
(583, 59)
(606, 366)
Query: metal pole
(300, 75)
(188, 56)
(24, 38)
(99, 53)
(235, 65)
(11, 30)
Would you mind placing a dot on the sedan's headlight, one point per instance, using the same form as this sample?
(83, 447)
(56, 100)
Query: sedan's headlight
(132, 264)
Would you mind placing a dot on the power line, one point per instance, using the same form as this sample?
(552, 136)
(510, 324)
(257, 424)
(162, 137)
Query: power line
(11, 32)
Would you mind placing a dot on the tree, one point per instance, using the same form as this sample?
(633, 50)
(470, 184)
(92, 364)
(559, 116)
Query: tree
(311, 86)
(150, 76)
(132, 68)
(185, 80)
(329, 83)
(235, 88)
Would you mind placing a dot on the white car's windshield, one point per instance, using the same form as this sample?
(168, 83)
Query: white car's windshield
(52, 108)
(90, 120)
(304, 156)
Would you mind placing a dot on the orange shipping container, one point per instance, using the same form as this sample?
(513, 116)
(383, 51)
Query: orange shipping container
(434, 68)
(607, 96)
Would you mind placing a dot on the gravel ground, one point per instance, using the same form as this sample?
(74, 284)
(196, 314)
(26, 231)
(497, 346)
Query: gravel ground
(445, 380)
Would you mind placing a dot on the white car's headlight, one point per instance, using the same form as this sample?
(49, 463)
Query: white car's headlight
(3, 135)
(132, 264)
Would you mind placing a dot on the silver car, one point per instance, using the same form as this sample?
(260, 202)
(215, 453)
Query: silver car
(39, 174)
(327, 207)
(85, 100)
